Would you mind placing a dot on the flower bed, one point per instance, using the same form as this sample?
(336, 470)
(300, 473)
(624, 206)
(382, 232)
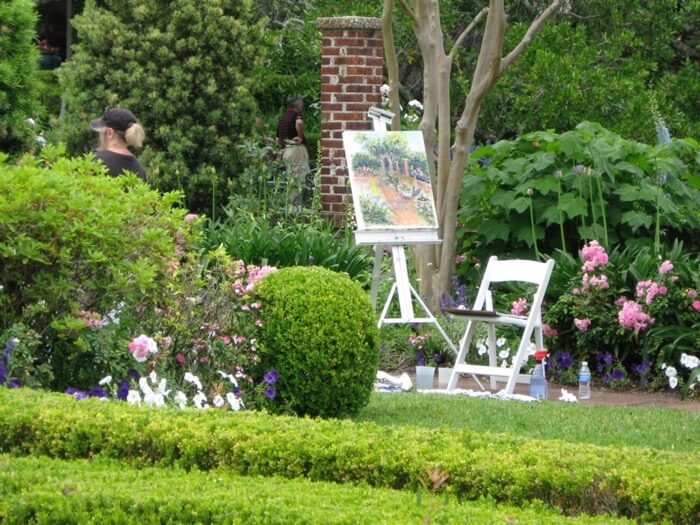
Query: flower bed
(643, 484)
(50, 491)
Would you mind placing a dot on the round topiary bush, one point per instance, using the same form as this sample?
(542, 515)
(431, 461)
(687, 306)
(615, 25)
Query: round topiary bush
(320, 335)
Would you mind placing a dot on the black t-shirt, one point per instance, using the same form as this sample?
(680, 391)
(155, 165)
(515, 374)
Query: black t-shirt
(287, 125)
(117, 163)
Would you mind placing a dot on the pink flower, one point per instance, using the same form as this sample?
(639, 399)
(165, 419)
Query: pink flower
(141, 346)
(459, 259)
(593, 255)
(191, 217)
(576, 291)
(696, 306)
(692, 294)
(665, 267)
(239, 339)
(600, 282)
(226, 339)
(549, 331)
(519, 307)
(648, 290)
(632, 316)
(582, 324)
(245, 307)
(258, 322)
(620, 300)
(256, 306)
(180, 359)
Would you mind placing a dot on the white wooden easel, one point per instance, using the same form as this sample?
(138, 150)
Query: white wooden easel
(401, 287)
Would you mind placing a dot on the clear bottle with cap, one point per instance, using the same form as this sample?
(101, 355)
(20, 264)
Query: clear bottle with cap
(584, 381)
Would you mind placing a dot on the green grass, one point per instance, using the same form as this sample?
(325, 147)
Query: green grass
(41, 490)
(656, 428)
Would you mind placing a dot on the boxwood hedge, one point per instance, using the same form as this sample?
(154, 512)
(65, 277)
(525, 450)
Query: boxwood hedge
(41, 490)
(644, 484)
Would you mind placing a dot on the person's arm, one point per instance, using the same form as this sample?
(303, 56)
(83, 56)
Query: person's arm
(299, 139)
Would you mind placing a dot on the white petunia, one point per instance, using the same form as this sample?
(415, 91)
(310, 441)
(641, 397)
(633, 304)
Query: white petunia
(500, 341)
(153, 376)
(200, 400)
(145, 387)
(690, 361)
(180, 399)
(191, 378)
(234, 401)
(481, 349)
(416, 104)
(105, 380)
(133, 397)
(228, 376)
(384, 90)
(218, 401)
(673, 382)
(671, 372)
(504, 354)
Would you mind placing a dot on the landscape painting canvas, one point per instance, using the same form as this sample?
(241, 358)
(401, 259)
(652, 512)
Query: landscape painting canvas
(390, 181)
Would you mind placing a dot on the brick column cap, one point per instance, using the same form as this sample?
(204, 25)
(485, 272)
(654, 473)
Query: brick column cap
(349, 22)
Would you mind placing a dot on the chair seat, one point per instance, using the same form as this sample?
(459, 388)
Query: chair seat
(495, 371)
(491, 318)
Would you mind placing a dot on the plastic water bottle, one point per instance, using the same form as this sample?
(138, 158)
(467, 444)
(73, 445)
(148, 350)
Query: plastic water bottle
(584, 381)
(539, 389)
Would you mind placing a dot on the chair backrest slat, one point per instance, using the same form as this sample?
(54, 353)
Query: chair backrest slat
(515, 270)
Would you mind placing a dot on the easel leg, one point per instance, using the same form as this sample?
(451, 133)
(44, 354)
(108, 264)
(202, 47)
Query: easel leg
(376, 273)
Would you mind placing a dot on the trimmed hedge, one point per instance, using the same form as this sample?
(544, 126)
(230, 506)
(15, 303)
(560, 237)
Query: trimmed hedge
(637, 483)
(52, 491)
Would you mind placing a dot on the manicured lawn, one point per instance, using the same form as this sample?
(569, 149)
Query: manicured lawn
(657, 428)
(41, 490)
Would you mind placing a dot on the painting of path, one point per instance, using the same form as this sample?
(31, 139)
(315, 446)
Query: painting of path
(390, 181)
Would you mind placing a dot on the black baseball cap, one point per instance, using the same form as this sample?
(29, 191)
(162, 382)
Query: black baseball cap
(116, 118)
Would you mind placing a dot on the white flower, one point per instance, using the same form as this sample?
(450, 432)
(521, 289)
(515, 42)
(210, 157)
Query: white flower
(416, 104)
(663, 366)
(133, 397)
(504, 363)
(384, 90)
(153, 376)
(671, 372)
(200, 400)
(235, 402)
(228, 376)
(481, 349)
(531, 349)
(673, 382)
(218, 401)
(31, 122)
(180, 399)
(105, 380)
(500, 341)
(690, 361)
(191, 378)
(504, 354)
(567, 396)
(145, 387)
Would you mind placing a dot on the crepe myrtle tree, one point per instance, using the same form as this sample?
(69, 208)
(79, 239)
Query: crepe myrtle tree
(436, 264)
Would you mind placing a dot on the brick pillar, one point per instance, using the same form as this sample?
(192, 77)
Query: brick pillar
(351, 75)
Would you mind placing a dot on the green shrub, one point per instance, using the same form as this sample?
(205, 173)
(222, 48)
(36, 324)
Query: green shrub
(648, 485)
(320, 335)
(74, 241)
(18, 82)
(183, 67)
(50, 491)
(584, 184)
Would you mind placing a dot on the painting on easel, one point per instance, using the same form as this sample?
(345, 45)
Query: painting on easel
(390, 181)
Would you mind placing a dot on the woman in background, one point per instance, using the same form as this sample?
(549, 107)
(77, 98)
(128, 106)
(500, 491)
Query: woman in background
(119, 130)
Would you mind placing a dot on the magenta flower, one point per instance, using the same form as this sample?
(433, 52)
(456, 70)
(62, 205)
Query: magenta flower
(141, 346)
(519, 307)
(696, 306)
(593, 255)
(191, 217)
(459, 259)
(549, 331)
(180, 359)
(665, 267)
(648, 290)
(582, 324)
(692, 294)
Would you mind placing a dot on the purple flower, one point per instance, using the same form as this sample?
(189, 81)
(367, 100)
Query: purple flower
(79, 396)
(563, 359)
(133, 374)
(271, 377)
(237, 390)
(420, 358)
(270, 392)
(437, 358)
(3, 372)
(70, 391)
(123, 389)
(97, 391)
(641, 368)
(414, 326)
(606, 378)
(484, 162)
(14, 383)
(617, 374)
(9, 346)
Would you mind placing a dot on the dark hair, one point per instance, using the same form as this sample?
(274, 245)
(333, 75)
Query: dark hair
(292, 100)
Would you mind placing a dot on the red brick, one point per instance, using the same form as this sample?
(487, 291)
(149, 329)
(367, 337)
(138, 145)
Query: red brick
(331, 143)
(329, 180)
(340, 190)
(375, 80)
(331, 88)
(353, 60)
(358, 125)
(330, 51)
(333, 32)
(332, 198)
(330, 106)
(337, 207)
(329, 70)
(350, 97)
(345, 42)
(360, 70)
(346, 116)
(364, 89)
(333, 125)
(357, 107)
(374, 61)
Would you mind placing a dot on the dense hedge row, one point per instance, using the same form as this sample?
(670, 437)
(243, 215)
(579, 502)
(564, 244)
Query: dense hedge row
(644, 484)
(52, 491)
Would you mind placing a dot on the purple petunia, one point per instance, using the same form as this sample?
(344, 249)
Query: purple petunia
(14, 383)
(97, 391)
(617, 374)
(420, 358)
(641, 368)
(271, 377)
(270, 392)
(70, 391)
(123, 390)
(437, 358)
(9, 347)
(3, 373)
(79, 396)
(237, 390)
(563, 359)
(133, 374)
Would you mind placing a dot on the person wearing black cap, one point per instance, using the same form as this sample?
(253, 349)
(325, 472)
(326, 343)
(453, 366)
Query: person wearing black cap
(119, 129)
(290, 133)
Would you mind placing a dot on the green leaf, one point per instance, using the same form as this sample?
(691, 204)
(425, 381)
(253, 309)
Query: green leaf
(520, 204)
(503, 199)
(628, 167)
(545, 185)
(573, 205)
(493, 229)
(636, 219)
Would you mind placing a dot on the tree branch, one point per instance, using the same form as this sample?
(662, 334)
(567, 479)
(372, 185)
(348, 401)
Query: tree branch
(392, 64)
(407, 8)
(466, 32)
(534, 28)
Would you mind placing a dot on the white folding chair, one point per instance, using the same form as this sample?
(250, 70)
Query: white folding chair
(483, 312)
